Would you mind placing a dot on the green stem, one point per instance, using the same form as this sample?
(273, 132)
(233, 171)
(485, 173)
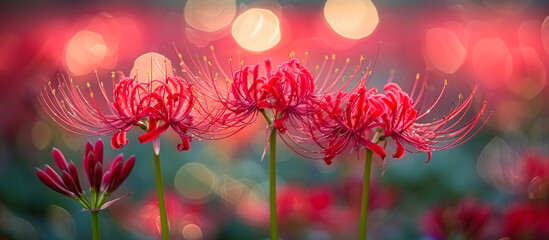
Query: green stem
(161, 202)
(365, 191)
(272, 183)
(95, 225)
(366, 186)
(267, 118)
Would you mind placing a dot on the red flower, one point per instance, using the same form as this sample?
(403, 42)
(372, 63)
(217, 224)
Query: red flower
(347, 121)
(80, 112)
(292, 91)
(102, 184)
(402, 122)
(154, 106)
(286, 92)
(525, 221)
(468, 218)
(245, 96)
(164, 104)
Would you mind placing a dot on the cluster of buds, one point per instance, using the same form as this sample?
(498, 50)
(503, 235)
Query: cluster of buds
(102, 184)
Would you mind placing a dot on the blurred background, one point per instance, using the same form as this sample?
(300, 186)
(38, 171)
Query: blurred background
(494, 186)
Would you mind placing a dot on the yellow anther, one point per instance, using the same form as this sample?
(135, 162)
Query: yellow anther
(210, 63)
(460, 96)
(49, 83)
(229, 81)
(361, 58)
(417, 76)
(91, 94)
(333, 56)
(95, 70)
(370, 73)
(242, 62)
(326, 57)
(62, 102)
(445, 82)
(425, 85)
(183, 70)
(204, 58)
(230, 60)
(88, 84)
(53, 91)
(317, 67)
(337, 70)
(306, 53)
(212, 47)
(180, 55)
(348, 60)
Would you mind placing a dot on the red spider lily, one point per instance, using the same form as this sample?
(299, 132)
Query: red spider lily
(246, 95)
(80, 113)
(329, 114)
(165, 104)
(467, 219)
(336, 128)
(102, 184)
(154, 106)
(292, 89)
(286, 91)
(402, 122)
(526, 221)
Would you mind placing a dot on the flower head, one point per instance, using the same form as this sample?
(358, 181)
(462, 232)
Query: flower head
(347, 121)
(153, 105)
(79, 110)
(292, 92)
(403, 122)
(102, 184)
(526, 221)
(468, 218)
(163, 104)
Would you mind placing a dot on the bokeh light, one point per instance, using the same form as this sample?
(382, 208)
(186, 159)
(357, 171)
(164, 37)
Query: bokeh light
(84, 52)
(443, 50)
(195, 181)
(209, 15)
(492, 62)
(256, 30)
(41, 135)
(353, 19)
(545, 34)
(61, 221)
(192, 232)
(529, 74)
(151, 66)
